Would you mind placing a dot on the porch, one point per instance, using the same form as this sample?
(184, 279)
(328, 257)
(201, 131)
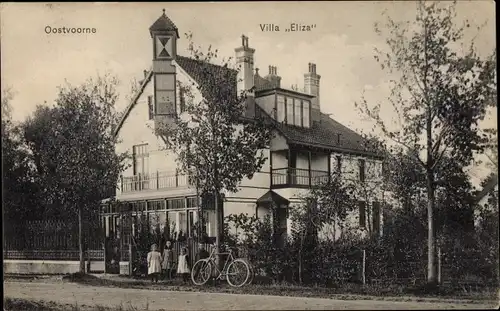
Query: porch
(297, 177)
(299, 168)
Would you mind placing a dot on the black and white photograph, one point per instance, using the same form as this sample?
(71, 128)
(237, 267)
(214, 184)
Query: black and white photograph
(294, 155)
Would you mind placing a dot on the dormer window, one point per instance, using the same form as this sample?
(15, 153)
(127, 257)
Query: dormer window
(305, 114)
(297, 111)
(281, 109)
(289, 110)
(293, 111)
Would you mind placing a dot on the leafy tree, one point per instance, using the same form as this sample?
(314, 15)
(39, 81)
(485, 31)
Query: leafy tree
(19, 188)
(325, 206)
(212, 140)
(74, 149)
(439, 94)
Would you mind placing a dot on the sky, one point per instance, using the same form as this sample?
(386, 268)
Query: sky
(341, 44)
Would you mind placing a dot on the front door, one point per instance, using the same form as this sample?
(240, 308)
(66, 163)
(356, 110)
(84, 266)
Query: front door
(280, 225)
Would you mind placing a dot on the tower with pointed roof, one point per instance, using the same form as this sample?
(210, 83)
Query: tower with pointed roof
(164, 34)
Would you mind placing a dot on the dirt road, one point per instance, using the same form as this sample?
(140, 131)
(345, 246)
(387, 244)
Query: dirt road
(70, 293)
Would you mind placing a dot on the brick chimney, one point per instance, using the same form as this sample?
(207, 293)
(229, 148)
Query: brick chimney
(244, 60)
(311, 85)
(273, 77)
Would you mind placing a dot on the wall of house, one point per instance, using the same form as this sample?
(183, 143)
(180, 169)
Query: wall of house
(319, 161)
(369, 191)
(279, 159)
(267, 103)
(278, 142)
(302, 160)
(138, 129)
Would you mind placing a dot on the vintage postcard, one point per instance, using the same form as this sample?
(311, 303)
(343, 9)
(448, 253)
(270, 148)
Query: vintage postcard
(249, 155)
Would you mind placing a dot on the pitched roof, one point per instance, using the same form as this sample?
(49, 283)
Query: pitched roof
(270, 197)
(163, 23)
(326, 133)
(261, 83)
(197, 69)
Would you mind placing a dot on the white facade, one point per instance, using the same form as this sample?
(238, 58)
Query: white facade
(152, 177)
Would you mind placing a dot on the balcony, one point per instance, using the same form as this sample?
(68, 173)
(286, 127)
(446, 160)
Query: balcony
(297, 177)
(155, 181)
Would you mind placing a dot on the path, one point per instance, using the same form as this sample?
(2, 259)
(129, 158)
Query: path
(69, 293)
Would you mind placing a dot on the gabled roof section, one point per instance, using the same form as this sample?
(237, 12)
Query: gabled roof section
(133, 102)
(197, 69)
(324, 133)
(163, 23)
(261, 83)
(270, 197)
(328, 133)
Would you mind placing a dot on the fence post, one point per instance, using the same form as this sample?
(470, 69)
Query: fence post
(439, 265)
(105, 254)
(130, 260)
(363, 268)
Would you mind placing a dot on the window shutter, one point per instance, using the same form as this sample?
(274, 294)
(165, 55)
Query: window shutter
(362, 170)
(339, 164)
(362, 214)
(182, 100)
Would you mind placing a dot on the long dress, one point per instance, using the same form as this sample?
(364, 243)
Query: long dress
(154, 262)
(168, 259)
(183, 265)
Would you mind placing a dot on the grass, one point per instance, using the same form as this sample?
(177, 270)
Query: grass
(11, 304)
(348, 291)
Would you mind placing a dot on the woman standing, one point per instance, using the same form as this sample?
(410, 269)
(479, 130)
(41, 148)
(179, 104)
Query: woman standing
(154, 263)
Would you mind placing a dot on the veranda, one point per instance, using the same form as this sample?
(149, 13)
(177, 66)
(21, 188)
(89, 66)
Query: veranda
(131, 227)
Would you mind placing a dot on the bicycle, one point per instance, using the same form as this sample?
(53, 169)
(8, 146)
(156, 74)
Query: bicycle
(233, 267)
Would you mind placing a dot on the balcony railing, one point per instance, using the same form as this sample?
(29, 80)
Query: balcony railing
(158, 180)
(298, 177)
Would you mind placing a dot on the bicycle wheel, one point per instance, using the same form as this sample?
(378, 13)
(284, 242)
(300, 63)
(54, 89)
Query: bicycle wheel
(238, 273)
(201, 272)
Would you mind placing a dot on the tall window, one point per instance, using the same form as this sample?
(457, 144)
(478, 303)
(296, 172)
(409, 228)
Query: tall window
(297, 104)
(305, 113)
(339, 164)
(362, 214)
(361, 163)
(165, 94)
(150, 107)
(140, 157)
(281, 108)
(289, 110)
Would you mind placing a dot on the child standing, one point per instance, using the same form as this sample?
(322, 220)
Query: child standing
(183, 265)
(154, 263)
(167, 263)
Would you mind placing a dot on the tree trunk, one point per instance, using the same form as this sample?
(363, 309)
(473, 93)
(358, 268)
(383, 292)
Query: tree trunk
(80, 238)
(218, 225)
(431, 235)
